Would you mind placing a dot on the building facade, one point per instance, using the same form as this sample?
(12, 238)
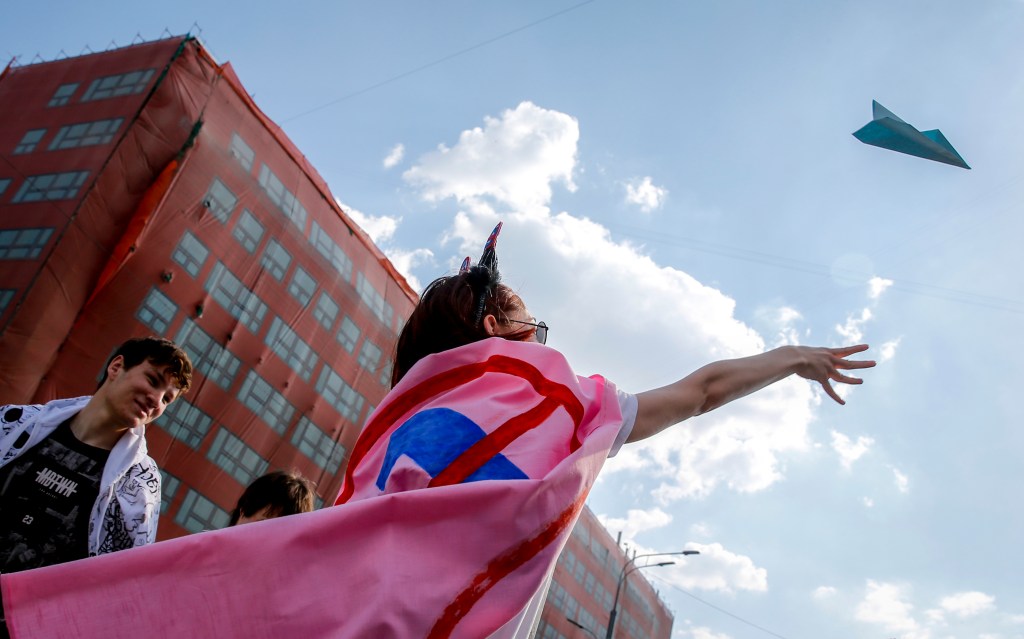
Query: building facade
(583, 590)
(143, 192)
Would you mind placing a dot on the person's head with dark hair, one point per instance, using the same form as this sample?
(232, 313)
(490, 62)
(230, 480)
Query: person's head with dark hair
(275, 494)
(141, 379)
(456, 310)
(159, 351)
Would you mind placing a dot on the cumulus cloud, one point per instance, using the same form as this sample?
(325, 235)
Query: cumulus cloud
(888, 350)
(700, 529)
(824, 592)
(513, 160)
(968, 604)
(868, 502)
(636, 521)
(850, 451)
(380, 228)
(394, 156)
(783, 322)
(902, 481)
(644, 194)
(886, 604)
(700, 632)
(714, 569)
(852, 330)
(666, 323)
(877, 286)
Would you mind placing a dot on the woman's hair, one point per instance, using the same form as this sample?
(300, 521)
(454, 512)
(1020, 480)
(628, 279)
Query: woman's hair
(281, 492)
(448, 316)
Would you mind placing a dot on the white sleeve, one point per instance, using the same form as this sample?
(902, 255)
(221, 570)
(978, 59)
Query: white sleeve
(628, 405)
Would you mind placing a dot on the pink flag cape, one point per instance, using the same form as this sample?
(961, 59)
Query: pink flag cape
(505, 436)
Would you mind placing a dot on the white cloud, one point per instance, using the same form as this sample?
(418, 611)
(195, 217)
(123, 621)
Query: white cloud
(574, 268)
(636, 522)
(644, 193)
(394, 156)
(700, 529)
(380, 228)
(701, 632)
(513, 160)
(888, 350)
(852, 331)
(824, 592)
(783, 321)
(902, 481)
(968, 604)
(868, 502)
(877, 286)
(715, 568)
(885, 604)
(848, 450)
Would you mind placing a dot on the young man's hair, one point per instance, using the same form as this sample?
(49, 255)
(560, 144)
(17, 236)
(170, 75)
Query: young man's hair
(446, 318)
(281, 493)
(161, 352)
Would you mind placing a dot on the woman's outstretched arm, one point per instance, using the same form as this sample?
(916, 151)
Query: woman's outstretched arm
(721, 382)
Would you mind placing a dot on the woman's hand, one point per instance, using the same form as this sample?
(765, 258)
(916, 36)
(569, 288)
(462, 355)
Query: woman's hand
(823, 364)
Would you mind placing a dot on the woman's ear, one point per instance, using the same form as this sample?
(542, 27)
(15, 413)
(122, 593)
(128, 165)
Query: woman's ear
(491, 325)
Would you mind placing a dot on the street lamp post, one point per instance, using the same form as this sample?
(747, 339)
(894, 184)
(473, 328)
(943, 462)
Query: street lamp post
(626, 570)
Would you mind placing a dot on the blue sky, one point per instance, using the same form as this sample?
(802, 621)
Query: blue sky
(679, 184)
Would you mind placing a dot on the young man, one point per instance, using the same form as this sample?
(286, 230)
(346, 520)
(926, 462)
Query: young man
(276, 494)
(75, 477)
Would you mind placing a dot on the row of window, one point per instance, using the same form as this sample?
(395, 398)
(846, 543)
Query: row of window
(591, 584)
(23, 244)
(110, 86)
(71, 136)
(242, 303)
(47, 187)
(249, 231)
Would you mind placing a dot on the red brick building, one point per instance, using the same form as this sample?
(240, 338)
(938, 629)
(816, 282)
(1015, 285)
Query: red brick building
(143, 192)
(583, 590)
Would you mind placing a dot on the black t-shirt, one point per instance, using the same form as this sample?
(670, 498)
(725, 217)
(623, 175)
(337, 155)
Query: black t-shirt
(46, 497)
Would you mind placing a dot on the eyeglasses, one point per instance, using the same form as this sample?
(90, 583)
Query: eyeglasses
(542, 329)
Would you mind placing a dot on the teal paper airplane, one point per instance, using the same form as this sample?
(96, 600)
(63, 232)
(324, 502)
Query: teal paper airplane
(889, 132)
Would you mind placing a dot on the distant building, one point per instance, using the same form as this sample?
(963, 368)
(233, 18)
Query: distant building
(583, 589)
(143, 192)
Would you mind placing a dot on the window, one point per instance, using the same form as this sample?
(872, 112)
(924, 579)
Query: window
(168, 488)
(235, 457)
(326, 311)
(339, 394)
(220, 200)
(333, 253)
(6, 295)
(248, 231)
(299, 355)
(85, 134)
(580, 572)
(63, 94)
(185, 422)
(236, 299)
(588, 584)
(157, 311)
(369, 356)
(570, 607)
(23, 244)
(191, 253)
(385, 374)
(268, 404)
(283, 198)
(4, 183)
(318, 445)
(348, 334)
(198, 513)
(302, 286)
(113, 86)
(276, 259)
(209, 358)
(242, 152)
(374, 300)
(29, 141)
(51, 186)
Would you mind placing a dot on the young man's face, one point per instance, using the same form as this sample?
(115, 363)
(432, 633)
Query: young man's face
(138, 395)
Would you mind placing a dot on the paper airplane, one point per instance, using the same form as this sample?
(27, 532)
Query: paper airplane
(889, 132)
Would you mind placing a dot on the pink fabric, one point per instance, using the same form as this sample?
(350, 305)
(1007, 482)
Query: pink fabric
(458, 560)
